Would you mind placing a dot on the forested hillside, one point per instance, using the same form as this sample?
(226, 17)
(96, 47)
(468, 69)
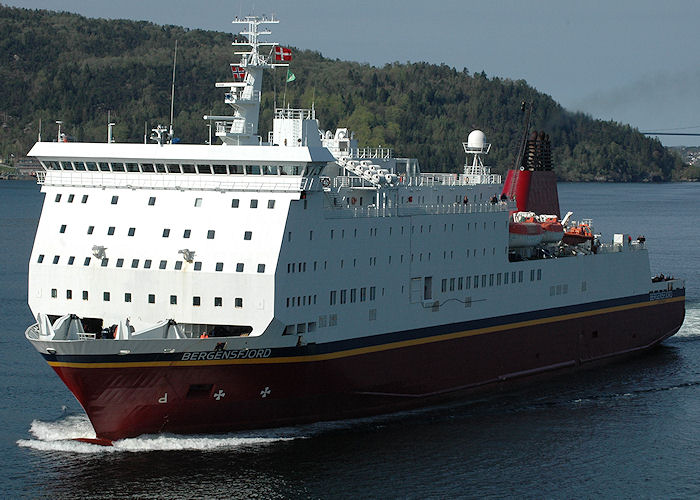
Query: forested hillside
(60, 66)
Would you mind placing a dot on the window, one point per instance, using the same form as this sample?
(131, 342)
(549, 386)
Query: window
(115, 199)
(210, 234)
(85, 295)
(253, 203)
(333, 297)
(166, 232)
(104, 262)
(238, 302)
(84, 200)
(220, 169)
(539, 274)
(173, 299)
(196, 301)
(104, 166)
(134, 263)
(87, 261)
(130, 167)
(147, 264)
(234, 203)
(54, 293)
(147, 167)
(120, 262)
(187, 233)
(444, 285)
(372, 292)
(197, 202)
(217, 301)
(40, 259)
(363, 294)
(71, 197)
(204, 169)
(248, 235)
(58, 198)
(151, 298)
(69, 294)
(71, 259)
(532, 275)
(198, 266)
(219, 266)
(452, 284)
(343, 296)
(270, 203)
(188, 168)
(520, 276)
(132, 231)
(110, 231)
(261, 268)
(178, 265)
(55, 259)
(105, 296)
(127, 297)
(90, 229)
(163, 264)
(173, 168)
(353, 295)
(239, 267)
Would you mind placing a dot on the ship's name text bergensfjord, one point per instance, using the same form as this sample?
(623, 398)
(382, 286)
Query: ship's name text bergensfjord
(229, 354)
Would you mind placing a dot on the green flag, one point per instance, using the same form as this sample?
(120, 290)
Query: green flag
(290, 76)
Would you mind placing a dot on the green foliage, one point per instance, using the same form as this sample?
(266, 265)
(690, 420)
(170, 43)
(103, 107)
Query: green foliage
(60, 66)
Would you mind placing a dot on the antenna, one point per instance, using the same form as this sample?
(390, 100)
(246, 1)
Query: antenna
(39, 130)
(172, 92)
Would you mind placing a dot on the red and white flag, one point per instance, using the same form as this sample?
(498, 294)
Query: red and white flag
(238, 72)
(283, 54)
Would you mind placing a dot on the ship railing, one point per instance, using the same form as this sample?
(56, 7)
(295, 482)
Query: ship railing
(165, 182)
(294, 114)
(337, 208)
(371, 153)
(352, 181)
(32, 332)
(40, 176)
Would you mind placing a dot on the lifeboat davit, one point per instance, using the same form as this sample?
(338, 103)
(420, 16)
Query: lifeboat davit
(525, 234)
(578, 234)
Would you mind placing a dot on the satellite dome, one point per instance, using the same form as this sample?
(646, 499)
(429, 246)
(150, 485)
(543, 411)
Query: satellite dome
(476, 139)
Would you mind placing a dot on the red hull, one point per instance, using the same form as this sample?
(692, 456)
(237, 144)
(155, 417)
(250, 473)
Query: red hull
(128, 401)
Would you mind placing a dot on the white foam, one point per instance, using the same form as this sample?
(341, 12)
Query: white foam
(691, 325)
(60, 435)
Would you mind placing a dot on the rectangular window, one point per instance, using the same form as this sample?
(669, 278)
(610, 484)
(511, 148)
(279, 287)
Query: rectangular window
(539, 274)
(219, 266)
(483, 281)
(147, 167)
(134, 263)
(444, 285)
(505, 278)
(71, 259)
(217, 301)
(71, 197)
(90, 229)
(373, 292)
(196, 301)
(452, 284)
(343, 296)
(187, 233)
(84, 200)
(69, 294)
(270, 203)
(58, 198)
(115, 199)
(204, 169)
(333, 297)
(110, 231)
(166, 233)
(147, 264)
(239, 267)
(85, 295)
(105, 296)
(151, 298)
(188, 168)
(353, 295)
(127, 297)
(104, 166)
(248, 235)
(130, 167)
(104, 262)
(151, 201)
(467, 282)
(54, 293)
(210, 234)
(87, 261)
(220, 169)
(197, 202)
(55, 259)
(363, 294)
(460, 283)
(498, 279)
(238, 302)
(173, 168)
(160, 168)
(132, 231)
(41, 258)
(261, 268)
(178, 265)
(198, 266)
(520, 276)
(253, 203)
(173, 299)
(532, 275)
(476, 281)
(491, 279)
(163, 264)
(120, 262)
(235, 203)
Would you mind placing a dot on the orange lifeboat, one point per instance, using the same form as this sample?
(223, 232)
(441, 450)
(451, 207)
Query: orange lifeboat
(578, 234)
(553, 229)
(524, 234)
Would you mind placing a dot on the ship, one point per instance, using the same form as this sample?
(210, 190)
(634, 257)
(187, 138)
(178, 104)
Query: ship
(207, 288)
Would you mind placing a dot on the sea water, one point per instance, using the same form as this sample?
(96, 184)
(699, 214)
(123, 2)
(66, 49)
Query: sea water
(630, 429)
